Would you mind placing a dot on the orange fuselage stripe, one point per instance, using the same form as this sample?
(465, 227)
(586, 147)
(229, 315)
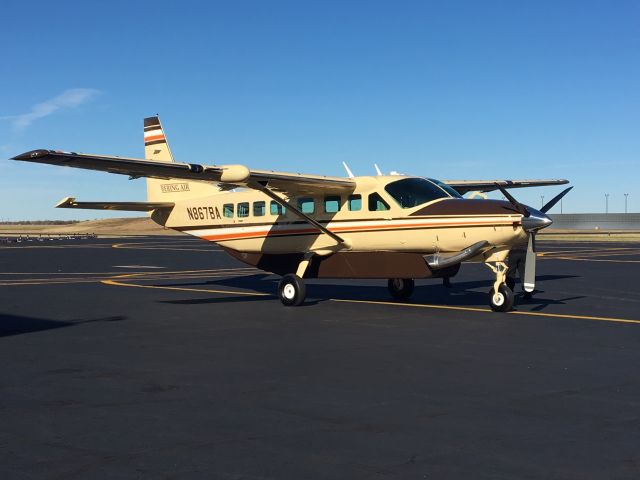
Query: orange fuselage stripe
(271, 233)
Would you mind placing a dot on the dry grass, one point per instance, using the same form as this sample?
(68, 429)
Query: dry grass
(110, 226)
(591, 235)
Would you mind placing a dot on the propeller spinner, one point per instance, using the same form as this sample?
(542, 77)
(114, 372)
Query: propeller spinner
(532, 221)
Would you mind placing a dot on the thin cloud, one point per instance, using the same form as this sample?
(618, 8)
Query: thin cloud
(72, 98)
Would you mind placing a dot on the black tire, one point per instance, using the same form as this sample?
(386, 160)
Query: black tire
(401, 288)
(292, 290)
(503, 300)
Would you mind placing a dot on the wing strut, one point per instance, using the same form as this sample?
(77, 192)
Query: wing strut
(307, 218)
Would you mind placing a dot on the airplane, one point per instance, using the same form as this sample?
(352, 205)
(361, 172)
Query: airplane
(299, 226)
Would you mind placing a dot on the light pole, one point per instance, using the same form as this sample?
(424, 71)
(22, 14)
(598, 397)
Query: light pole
(626, 197)
(541, 201)
(606, 203)
(561, 205)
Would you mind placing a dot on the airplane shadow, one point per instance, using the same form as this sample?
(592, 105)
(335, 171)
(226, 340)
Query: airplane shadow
(467, 293)
(17, 324)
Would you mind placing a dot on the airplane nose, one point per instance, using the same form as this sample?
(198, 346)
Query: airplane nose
(535, 221)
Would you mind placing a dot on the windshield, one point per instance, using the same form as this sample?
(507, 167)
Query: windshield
(411, 192)
(450, 190)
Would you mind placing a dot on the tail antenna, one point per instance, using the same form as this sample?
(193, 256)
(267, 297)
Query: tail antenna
(378, 172)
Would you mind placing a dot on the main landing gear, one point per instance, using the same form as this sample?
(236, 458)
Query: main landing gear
(401, 288)
(292, 290)
(500, 296)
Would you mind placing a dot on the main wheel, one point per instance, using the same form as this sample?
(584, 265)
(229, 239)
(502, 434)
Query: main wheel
(401, 288)
(502, 301)
(292, 290)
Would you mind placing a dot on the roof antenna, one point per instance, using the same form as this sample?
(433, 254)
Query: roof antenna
(346, 167)
(378, 172)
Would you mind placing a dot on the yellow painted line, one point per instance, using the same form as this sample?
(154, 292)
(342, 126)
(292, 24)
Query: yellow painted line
(163, 246)
(184, 289)
(392, 304)
(56, 246)
(189, 272)
(60, 273)
(70, 281)
(486, 310)
(140, 276)
(176, 249)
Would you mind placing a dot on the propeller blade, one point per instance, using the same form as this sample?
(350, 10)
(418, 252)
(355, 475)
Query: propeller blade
(551, 203)
(529, 282)
(520, 208)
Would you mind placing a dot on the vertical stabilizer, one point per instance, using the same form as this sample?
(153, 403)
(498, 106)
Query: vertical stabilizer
(155, 143)
(157, 148)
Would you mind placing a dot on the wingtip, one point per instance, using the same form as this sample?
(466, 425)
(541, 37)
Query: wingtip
(31, 155)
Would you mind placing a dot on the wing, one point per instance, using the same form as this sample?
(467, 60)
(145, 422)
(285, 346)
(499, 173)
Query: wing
(464, 186)
(70, 202)
(229, 176)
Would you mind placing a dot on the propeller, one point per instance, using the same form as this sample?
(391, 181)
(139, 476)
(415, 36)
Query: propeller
(532, 221)
(551, 203)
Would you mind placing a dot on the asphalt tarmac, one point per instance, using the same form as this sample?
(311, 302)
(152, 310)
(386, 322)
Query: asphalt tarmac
(165, 358)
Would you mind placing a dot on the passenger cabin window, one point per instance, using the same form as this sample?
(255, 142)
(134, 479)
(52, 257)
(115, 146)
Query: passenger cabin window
(227, 210)
(259, 209)
(354, 203)
(243, 209)
(377, 203)
(276, 209)
(331, 204)
(411, 192)
(306, 205)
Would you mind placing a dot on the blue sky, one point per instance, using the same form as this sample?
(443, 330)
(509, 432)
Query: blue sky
(453, 90)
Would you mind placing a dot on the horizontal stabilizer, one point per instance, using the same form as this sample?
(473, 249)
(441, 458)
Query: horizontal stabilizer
(439, 260)
(70, 202)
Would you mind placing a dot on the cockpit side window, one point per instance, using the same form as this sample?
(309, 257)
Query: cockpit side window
(450, 190)
(377, 203)
(411, 192)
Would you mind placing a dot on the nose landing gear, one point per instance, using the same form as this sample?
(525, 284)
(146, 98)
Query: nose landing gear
(500, 296)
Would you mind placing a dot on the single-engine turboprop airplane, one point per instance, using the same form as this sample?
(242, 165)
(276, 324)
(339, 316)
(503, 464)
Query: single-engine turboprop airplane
(299, 226)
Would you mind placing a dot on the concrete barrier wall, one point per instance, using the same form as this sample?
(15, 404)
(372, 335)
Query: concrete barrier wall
(591, 221)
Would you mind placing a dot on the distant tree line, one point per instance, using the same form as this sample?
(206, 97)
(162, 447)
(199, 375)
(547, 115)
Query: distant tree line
(39, 222)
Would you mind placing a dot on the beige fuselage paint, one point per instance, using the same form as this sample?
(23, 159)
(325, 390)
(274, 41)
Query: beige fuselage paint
(396, 229)
(200, 211)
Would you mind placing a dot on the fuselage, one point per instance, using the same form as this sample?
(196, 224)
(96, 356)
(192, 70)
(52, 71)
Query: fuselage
(382, 213)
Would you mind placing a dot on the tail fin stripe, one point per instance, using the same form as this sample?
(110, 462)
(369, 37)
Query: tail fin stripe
(151, 138)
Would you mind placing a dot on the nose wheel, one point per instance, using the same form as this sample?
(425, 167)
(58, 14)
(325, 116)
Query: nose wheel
(500, 296)
(502, 300)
